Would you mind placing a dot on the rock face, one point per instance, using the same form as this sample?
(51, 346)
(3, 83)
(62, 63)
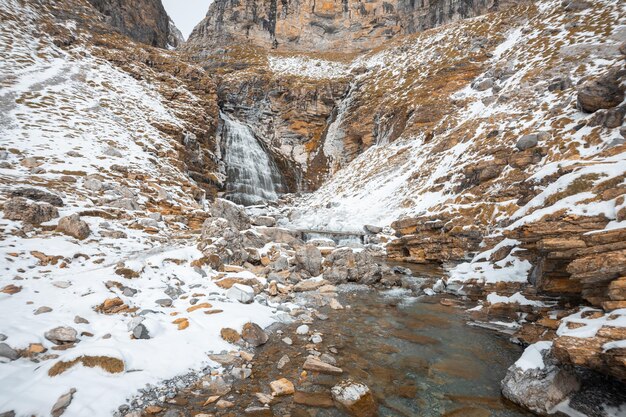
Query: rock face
(145, 21)
(539, 389)
(344, 26)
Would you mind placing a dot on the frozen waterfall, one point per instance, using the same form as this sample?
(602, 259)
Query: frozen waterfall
(252, 175)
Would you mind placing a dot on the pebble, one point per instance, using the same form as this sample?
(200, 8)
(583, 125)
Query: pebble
(221, 404)
(288, 341)
(284, 360)
(61, 335)
(241, 373)
(42, 310)
(62, 284)
(316, 338)
(80, 320)
(302, 330)
(164, 302)
(282, 387)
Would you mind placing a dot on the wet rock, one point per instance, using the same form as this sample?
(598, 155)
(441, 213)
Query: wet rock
(254, 334)
(216, 386)
(313, 399)
(61, 335)
(235, 214)
(19, 208)
(302, 330)
(355, 399)
(282, 387)
(223, 404)
(310, 259)
(309, 285)
(334, 304)
(8, 352)
(173, 413)
(603, 92)
(74, 226)
(241, 373)
(258, 411)
(344, 265)
(287, 341)
(282, 362)
(316, 365)
(62, 403)
(542, 387)
(35, 194)
(242, 293)
(316, 338)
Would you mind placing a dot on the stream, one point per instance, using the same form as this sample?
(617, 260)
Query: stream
(418, 357)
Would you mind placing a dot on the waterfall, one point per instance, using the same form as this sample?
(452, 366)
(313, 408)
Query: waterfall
(333, 141)
(252, 175)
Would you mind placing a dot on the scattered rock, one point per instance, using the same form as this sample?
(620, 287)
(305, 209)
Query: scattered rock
(603, 92)
(164, 302)
(74, 226)
(216, 386)
(310, 259)
(287, 340)
(284, 360)
(355, 399)
(313, 399)
(141, 332)
(93, 184)
(241, 373)
(230, 335)
(43, 310)
(316, 338)
(11, 289)
(222, 404)
(8, 352)
(19, 208)
(254, 334)
(334, 304)
(316, 365)
(264, 221)
(38, 195)
(302, 330)
(62, 403)
(242, 293)
(61, 335)
(282, 387)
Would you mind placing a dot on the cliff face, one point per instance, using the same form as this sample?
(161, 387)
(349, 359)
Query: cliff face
(328, 25)
(144, 21)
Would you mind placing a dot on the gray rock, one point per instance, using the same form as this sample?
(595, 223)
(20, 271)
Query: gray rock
(164, 302)
(73, 226)
(355, 399)
(149, 223)
(8, 352)
(539, 389)
(216, 386)
(61, 335)
(62, 403)
(18, 208)
(264, 221)
(531, 140)
(254, 334)
(80, 320)
(310, 259)
(4, 155)
(173, 413)
(560, 84)
(156, 216)
(235, 214)
(280, 264)
(242, 293)
(344, 265)
(43, 310)
(482, 85)
(603, 92)
(35, 194)
(125, 203)
(3, 337)
(372, 229)
(8, 414)
(141, 332)
(241, 373)
(110, 151)
(93, 184)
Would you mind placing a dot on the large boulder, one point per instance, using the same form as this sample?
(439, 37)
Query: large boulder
(74, 226)
(310, 259)
(36, 194)
(222, 243)
(19, 208)
(537, 382)
(603, 92)
(232, 212)
(345, 265)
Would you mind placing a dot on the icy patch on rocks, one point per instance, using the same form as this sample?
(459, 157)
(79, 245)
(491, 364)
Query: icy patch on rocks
(307, 67)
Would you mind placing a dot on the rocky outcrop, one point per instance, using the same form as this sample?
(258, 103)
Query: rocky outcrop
(144, 21)
(305, 25)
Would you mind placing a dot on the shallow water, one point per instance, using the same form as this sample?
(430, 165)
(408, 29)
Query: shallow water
(418, 357)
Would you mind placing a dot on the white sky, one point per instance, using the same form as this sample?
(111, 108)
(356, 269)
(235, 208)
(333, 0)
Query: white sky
(186, 14)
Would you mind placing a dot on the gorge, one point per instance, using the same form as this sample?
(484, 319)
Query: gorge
(313, 208)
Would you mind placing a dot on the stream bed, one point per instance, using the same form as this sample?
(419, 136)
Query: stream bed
(418, 357)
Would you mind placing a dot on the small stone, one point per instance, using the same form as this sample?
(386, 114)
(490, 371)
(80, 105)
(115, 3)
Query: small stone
(43, 310)
(61, 335)
(246, 356)
(153, 409)
(62, 403)
(241, 373)
(222, 404)
(216, 386)
(211, 400)
(141, 332)
(164, 302)
(264, 398)
(288, 341)
(8, 352)
(282, 387)
(80, 320)
(36, 348)
(302, 330)
(335, 305)
(284, 360)
(316, 338)
(62, 284)
(316, 365)
(110, 151)
(325, 357)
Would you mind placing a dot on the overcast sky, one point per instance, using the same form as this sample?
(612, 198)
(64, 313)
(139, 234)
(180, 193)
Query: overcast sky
(186, 14)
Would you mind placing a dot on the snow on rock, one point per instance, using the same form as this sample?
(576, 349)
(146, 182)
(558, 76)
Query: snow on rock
(532, 357)
(307, 67)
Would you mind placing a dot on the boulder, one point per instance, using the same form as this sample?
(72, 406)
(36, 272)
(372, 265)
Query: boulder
(242, 293)
(234, 213)
(355, 399)
(18, 208)
(527, 142)
(254, 334)
(74, 226)
(264, 221)
(38, 195)
(603, 92)
(310, 259)
(537, 382)
(372, 229)
(344, 265)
